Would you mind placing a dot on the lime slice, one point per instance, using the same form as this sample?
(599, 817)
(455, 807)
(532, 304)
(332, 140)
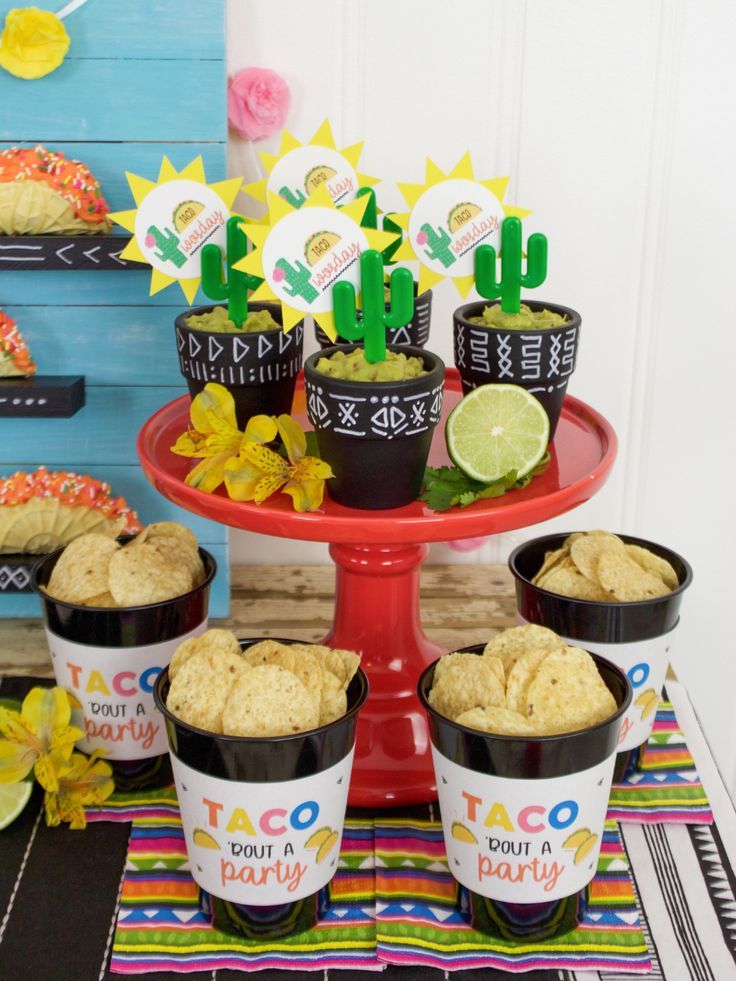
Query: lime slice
(495, 429)
(13, 798)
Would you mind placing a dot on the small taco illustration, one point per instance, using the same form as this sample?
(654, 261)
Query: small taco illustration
(319, 245)
(318, 838)
(647, 701)
(185, 213)
(318, 175)
(461, 833)
(582, 842)
(327, 845)
(461, 214)
(204, 839)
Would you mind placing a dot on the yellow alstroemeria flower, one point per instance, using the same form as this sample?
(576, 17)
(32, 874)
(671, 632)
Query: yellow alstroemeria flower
(257, 472)
(214, 437)
(88, 783)
(33, 43)
(38, 738)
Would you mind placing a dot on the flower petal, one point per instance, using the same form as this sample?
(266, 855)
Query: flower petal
(261, 429)
(209, 474)
(311, 467)
(216, 399)
(16, 761)
(11, 726)
(266, 460)
(46, 709)
(293, 438)
(268, 486)
(307, 494)
(190, 443)
(241, 479)
(64, 739)
(51, 806)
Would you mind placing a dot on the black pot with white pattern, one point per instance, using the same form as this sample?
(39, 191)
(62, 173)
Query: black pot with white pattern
(375, 435)
(415, 334)
(541, 361)
(259, 369)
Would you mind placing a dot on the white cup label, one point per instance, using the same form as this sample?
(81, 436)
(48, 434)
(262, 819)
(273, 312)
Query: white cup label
(114, 687)
(522, 841)
(263, 844)
(644, 663)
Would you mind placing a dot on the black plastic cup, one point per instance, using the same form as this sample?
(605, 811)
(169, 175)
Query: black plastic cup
(376, 436)
(259, 369)
(523, 816)
(415, 334)
(637, 637)
(541, 361)
(255, 809)
(108, 660)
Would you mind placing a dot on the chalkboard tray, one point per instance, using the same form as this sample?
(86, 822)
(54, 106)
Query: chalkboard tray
(19, 252)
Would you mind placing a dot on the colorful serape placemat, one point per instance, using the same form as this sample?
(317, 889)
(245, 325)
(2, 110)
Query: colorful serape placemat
(665, 785)
(161, 926)
(418, 922)
(149, 806)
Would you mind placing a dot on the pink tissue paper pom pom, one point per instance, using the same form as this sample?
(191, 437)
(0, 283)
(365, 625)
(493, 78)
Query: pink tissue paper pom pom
(257, 102)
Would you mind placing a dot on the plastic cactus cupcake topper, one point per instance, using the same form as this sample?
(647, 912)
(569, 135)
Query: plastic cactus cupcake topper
(299, 169)
(508, 287)
(301, 253)
(452, 215)
(175, 219)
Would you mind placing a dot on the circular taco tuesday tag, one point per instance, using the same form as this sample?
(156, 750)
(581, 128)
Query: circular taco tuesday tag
(307, 252)
(645, 664)
(449, 220)
(111, 691)
(174, 221)
(522, 841)
(263, 844)
(302, 170)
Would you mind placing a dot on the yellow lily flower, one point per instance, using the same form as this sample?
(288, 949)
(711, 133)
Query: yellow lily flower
(257, 472)
(88, 783)
(38, 738)
(214, 436)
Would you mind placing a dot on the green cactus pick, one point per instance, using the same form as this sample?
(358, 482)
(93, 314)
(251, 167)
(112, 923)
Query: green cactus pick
(509, 286)
(371, 328)
(235, 290)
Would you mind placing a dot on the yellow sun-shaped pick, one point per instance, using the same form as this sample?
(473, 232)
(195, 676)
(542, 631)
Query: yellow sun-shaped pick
(302, 252)
(450, 215)
(297, 170)
(174, 217)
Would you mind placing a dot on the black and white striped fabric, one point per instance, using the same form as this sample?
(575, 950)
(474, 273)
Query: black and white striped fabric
(60, 890)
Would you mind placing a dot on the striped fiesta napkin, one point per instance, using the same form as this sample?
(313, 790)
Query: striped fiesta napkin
(418, 923)
(162, 927)
(664, 785)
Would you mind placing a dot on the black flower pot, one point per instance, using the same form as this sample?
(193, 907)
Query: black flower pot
(637, 637)
(415, 334)
(267, 798)
(108, 660)
(259, 369)
(540, 361)
(510, 805)
(375, 435)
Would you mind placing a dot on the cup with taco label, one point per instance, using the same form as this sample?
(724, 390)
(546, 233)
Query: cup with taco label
(524, 732)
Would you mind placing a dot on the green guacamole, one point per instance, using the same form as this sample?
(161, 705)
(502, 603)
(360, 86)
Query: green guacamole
(525, 319)
(216, 321)
(353, 366)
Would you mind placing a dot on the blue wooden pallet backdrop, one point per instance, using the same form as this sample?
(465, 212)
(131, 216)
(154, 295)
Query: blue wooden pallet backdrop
(143, 78)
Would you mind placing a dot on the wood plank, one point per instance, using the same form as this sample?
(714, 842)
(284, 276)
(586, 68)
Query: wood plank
(104, 431)
(184, 102)
(103, 343)
(303, 613)
(140, 28)
(130, 482)
(72, 286)
(109, 161)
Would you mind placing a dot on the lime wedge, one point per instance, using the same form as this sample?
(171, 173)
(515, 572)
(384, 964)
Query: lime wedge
(13, 798)
(496, 429)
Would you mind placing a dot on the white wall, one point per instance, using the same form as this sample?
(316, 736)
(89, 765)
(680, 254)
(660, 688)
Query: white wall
(614, 119)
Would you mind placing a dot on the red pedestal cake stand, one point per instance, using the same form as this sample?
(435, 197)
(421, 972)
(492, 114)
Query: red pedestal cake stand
(378, 555)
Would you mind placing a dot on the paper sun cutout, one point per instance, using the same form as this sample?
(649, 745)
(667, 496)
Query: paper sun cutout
(302, 252)
(299, 169)
(450, 215)
(174, 217)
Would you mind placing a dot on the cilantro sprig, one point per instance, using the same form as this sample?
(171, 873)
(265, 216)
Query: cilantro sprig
(447, 487)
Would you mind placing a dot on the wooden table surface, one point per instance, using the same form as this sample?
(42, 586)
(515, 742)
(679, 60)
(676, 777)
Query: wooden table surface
(461, 604)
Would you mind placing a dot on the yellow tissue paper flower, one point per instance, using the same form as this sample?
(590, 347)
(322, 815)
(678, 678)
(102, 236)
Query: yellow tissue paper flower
(88, 783)
(33, 43)
(251, 471)
(38, 738)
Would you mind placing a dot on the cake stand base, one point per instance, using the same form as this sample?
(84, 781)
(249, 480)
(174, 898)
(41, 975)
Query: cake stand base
(377, 615)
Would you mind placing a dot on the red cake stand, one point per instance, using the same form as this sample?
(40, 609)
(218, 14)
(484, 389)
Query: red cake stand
(378, 555)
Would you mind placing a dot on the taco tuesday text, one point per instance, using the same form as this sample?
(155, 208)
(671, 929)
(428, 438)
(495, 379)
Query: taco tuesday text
(474, 234)
(338, 261)
(203, 230)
